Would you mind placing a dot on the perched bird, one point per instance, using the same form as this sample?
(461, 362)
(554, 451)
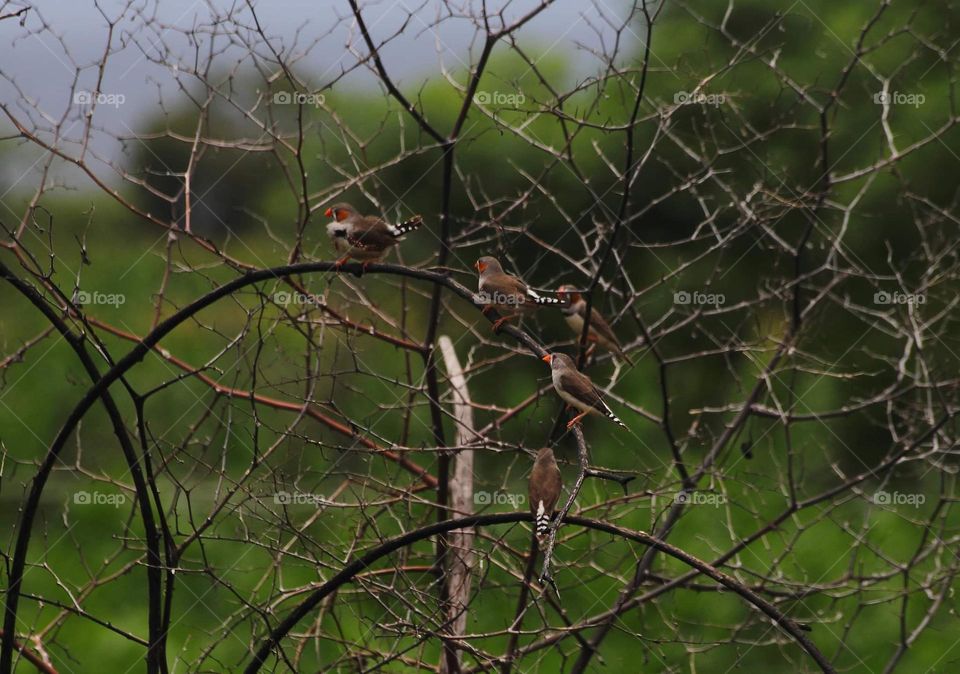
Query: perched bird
(365, 238)
(507, 294)
(599, 332)
(544, 489)
(576, 389)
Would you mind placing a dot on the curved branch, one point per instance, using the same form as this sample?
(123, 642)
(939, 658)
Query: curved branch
(351, 570)
(156, 660)
(137, 353)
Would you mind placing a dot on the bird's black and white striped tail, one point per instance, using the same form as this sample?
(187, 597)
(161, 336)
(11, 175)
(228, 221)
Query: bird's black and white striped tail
(406, 227)
(542, 525)
(611, 416)
(543, 301)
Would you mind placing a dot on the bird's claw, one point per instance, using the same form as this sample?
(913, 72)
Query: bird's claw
(576, 420)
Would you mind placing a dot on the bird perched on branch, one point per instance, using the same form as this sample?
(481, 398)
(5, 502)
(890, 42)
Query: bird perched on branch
(507, 294)
(599, 332)
(544, 490)
(365, 238)
(576, 389)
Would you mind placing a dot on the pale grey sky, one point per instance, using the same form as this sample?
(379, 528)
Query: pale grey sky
(37, 71)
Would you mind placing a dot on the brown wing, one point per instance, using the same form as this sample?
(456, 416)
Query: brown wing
(603, 334)
(545, 485)
(580, 387)
(509, 289)
(599, 323)
(371, 233)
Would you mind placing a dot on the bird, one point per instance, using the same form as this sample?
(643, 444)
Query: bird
(544, 489)
(507, 294)
(576, 389)
(365, 238)
(599, 332)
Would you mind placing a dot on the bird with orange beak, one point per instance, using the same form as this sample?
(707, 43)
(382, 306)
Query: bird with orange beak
(365, 238)
(599, 333)
(506, 294)
(576, 389)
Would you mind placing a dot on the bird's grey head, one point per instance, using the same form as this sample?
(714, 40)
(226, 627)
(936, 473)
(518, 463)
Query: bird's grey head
(341, 211)
(488, 265)
(559, 360)
(572, 299)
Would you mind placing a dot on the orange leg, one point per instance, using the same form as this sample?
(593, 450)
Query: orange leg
(342, 261)
(576, 420)
(499, 322)
(487, 308)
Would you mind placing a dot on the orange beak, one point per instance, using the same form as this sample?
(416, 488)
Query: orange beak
(328, 212)
(547, 358)
(562, 294)
(479, 266)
